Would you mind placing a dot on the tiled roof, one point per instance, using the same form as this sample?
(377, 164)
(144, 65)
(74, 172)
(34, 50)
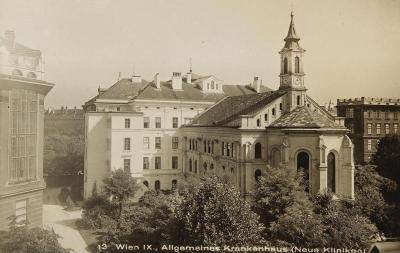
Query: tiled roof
(227, 111)
(124, 89)
(304, 117)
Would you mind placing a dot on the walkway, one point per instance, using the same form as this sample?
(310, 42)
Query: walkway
(63, 224)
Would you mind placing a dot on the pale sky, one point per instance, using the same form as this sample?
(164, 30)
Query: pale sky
(352, 45)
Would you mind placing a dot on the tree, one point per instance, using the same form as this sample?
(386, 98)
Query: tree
(216, 214)
(275, 191)
(387, 157)
(120, 187)
(369, 188)
(286, 211)
(344, 225)
(34, 240)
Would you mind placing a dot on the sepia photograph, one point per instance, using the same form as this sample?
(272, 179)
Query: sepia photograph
(198, 126)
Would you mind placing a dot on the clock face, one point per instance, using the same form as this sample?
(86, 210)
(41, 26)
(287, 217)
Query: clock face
(285, 80)
(297, 81)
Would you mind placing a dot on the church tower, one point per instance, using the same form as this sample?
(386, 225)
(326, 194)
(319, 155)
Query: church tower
(292, 74)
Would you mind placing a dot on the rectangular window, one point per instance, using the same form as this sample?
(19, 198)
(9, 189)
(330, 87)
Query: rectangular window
(395, 115)
(23, 106)
(158, 143)
(175, 142)
(369, 128)
(396, 128)
(387, 128)
(266, 117)
(158, 122)
(386, 115)
(146, 163)
(127, 144)
(378, 114)
(157, 164)
(378, 128)
(127, 165)
(175, 122)
(188, 121)
(349, 113)
(174, 162)
(369, 145)
(20, 210)
(146, 142)
(146, 122)
(127, 123)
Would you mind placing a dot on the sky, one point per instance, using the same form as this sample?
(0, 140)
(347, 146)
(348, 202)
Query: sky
(352, 47)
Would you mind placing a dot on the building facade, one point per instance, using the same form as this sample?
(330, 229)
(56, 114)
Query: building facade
(135, 125)
(22, 93)
(242, 137)
(369, 119)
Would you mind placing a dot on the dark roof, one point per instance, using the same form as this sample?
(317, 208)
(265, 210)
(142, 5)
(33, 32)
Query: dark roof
(124, 89)
(227, 112)
(304, 117)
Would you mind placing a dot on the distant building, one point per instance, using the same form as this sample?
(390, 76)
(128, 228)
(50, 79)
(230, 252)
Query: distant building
(22, 93)
(241, 136)
(369, 119)
(134, 125)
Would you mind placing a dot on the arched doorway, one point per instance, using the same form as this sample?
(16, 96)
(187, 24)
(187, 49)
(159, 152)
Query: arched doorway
(331, 172)
(303, 165)
(157, 185)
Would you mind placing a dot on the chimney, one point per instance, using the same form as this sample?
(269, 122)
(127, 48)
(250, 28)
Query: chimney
(157, 81)
(257, 84)
(10, 38)
(136, 79)
(189, 77)
(176, 81)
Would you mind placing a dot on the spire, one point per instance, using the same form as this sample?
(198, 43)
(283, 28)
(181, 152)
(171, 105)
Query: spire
(292, 31)
(291, 39)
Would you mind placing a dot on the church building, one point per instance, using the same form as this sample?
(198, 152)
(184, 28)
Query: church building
(240, 137)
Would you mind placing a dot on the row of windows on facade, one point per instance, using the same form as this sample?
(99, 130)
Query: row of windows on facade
(157, 184)
(146, 143)
(373, 114)
(387, 128)
(213, 86)
(17, 72)
(296, 65)
(369, 144)
(193, 167)
(227, 149)
(273, 113)
(23, 137)
(157, 122)
(146, 163)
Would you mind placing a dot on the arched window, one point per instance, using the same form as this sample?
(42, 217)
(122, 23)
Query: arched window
(232, 170)
(17, 72)
(297, 64)
(205, 167)
(31, 75)
(208, 86)
(212, 84)
(331, 171)
(174, 184)
(280, 106)
(216, 86)
(276, 158)
(257, 151)
(273, 112)
(285, 66)
(190, 165)
(195, 166)
(146, 183)
(257, 175)
(157, 185)
(298, 100)
(211, 166)
(258, 123)
(303, 165)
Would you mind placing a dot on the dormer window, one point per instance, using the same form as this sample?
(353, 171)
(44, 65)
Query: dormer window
(212, 85)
